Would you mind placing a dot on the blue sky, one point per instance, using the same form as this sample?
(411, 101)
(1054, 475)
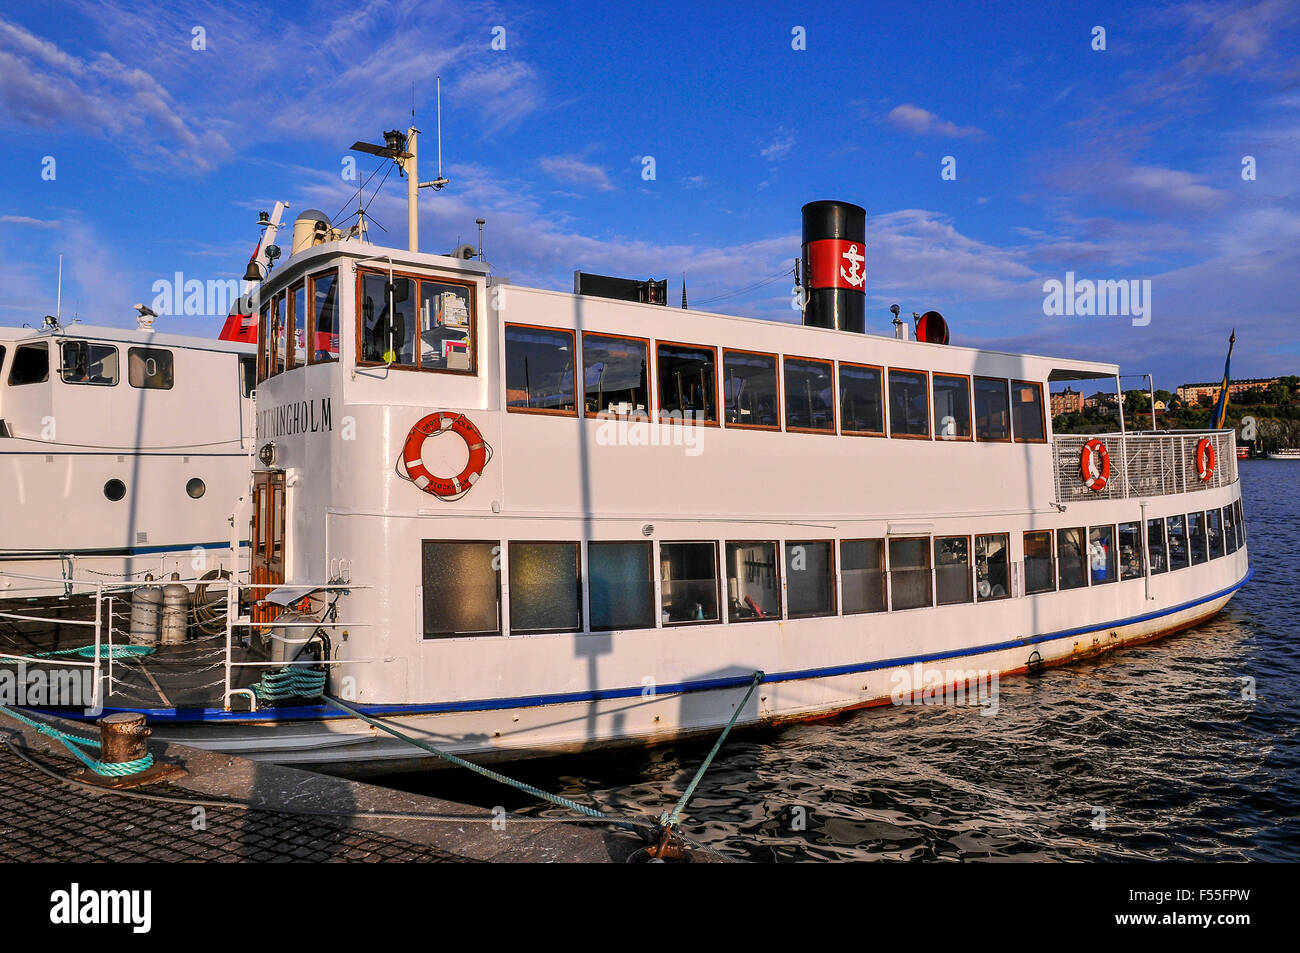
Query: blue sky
(1122, 163)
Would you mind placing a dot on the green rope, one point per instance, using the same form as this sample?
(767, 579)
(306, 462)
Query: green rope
(105, 651)
(668, 819)
(117, 769)
(487, 772)
(289, 683)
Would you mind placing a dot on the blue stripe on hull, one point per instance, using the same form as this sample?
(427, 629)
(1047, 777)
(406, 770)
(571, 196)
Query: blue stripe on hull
(318, 712)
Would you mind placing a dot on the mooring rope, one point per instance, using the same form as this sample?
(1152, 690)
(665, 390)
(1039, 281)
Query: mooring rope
(105, 651)
(114, 770)
(289, 683)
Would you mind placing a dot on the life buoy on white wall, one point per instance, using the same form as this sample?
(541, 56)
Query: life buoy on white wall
(435, 425)
(1204, 459)
(1094, 477)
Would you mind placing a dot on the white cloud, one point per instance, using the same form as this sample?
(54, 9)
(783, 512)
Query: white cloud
(918, 121)
(574, 170)
(779, 147)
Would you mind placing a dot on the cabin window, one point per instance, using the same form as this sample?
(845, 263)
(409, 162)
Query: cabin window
(992, 416)
(809, 395)
(909, 573)
(621, 586)
(1241, 523)
(688, 382)
(951, 407)
(31, 365)
(1101, 554)
(1069, 558)
(1040, 570)
(1180, 556)
(86, 363)
(279, 333)
(387, 320)
(810, 579)
(1214, 529)
(539, 371)
(264, 331)
(461, 588)
(909, 404)
(688, 582)
(753, 582)
(993, 566)
(1196, 538)
(324, 339)
(1130, 550)
(749, 390)
(446, 327)
(247, 375)
(1157, 551)
(862, 406)
(150, 368)
(2, 356)
(862, 570)
(616, 375)
(952, 583)
(297, 325)
(1027, 412)
(545, 588)
(1229, 530)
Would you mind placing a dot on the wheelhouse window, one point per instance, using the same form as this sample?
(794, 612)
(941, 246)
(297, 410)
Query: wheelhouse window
(616, 375)
(1027, 412)
(909, 572)
(1070, 551)
(810, 579)
(31, 365)
(247, 375)
(1101, 554)
(862, 406)
(1196, 542)
(324, 293)
(461, 584)
(446, 327)
(1040, 568)
(1157, 551)
(1229, 529)
(753, 582)
(150, 367)
(298, 320)
(688, 382)
(387, 320)
(620, 585)
(1214, 529)
(1180, 555)
(992, 410)
(264, 350)
(909, 404)
(545, 588)
(809, 395)
(539, 371)
(279, 333)
(749, 390)
(952, 580)
(993, 566)
(688, 582)
(951, 407)
(1130, 550)
(862, 571)
(87, 363)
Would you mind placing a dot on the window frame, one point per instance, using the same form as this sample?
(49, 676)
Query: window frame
(1042, 412)
(883, 570)
(1111, 560)
(1051, 556)
(778, 562)
(581, 579)
(717, 405)
(1149, 566)
(577, 357)
(311, 314)
(1085, 569)
(501, 603)
(1141, 549)
(36, 346)
(783, 387)
(928, 416)
(88, 344)
(928, 569)
(780, 392)
(833, 570)
(717, 583)
(970, 409)
(1011, 426)
(654, 612)
(150, 347)
(1006, 548)
(263, 332)
(970, 568)
(358, 319)
(649, 377)
(291, 325)
(884, 404)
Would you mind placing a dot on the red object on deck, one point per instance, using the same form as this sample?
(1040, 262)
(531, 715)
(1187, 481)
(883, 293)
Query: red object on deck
(240, 327)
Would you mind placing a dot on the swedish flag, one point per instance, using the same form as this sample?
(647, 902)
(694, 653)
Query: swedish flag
(1221, 406)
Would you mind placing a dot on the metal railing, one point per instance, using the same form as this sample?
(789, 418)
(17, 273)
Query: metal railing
(1143, 464)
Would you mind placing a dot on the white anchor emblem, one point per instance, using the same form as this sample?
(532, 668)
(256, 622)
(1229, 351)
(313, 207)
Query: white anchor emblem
(853, 276)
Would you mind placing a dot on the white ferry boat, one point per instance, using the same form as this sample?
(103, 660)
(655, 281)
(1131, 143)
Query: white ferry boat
(516, 521)
(1286, 453)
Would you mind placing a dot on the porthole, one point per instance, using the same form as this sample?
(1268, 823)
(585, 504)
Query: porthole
(114, 490)
(195, 488)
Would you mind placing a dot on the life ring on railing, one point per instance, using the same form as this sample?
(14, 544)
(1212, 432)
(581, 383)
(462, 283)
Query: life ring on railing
(1095, 479)
(1204, 459)
(431, 426)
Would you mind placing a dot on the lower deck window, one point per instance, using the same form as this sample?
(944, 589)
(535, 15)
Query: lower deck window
(462, 588)
(862, 573)
(1101, 554)
(1157, 552)
(1179, 553)
(909, 573)
(620, 585)
(545, 589)
(1229, 530)
(1214, 528)
(1241, 523)
(753, 582)
(952, 582)
(810, 579)
(992, 566)
(1130, 550)
(1196, 542)
(1069, 558)
(688, 582)
(1040, 568)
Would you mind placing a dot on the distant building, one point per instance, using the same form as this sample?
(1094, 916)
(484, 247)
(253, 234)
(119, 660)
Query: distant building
(1068, 401)
(1102, 402)
(1191, 393)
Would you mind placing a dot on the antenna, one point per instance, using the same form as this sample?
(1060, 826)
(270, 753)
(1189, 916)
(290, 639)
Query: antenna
(58, 301)
(440, 178)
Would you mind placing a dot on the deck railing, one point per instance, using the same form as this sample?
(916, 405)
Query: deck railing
(1144, 464)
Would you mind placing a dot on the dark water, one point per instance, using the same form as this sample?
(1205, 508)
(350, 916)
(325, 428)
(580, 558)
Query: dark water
(1158, 737)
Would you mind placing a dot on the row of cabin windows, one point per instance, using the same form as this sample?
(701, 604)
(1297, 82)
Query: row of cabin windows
(83, 362)
(462, 580)
(292, 334)
(747, 393)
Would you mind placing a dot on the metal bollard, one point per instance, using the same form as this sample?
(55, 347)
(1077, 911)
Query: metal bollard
(122, 737)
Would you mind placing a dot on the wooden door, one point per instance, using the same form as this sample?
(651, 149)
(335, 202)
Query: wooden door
(267, 540)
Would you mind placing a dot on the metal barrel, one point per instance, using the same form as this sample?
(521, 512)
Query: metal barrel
(834, 265)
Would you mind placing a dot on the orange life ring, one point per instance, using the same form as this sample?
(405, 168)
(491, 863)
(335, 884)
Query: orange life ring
(432, 426)
(1095, 480)
(1204, 459)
